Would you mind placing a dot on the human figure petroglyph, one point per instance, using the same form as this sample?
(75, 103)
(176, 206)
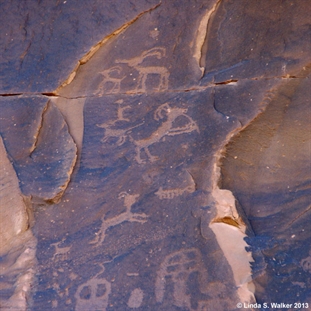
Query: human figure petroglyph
(145, 70)
(129, 200)
(179, 265)
(95, 292)
(111, 76)
(120, 111)
(173, 193)
(165, 129)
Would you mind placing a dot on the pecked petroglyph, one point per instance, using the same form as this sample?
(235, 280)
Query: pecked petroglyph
(112, 79)
(165, 129)
(129, 200)
(61, 253)
(95, 292)
(145, 70)
(173, 193)
(120, 134)
(179, 265)
(136, 298)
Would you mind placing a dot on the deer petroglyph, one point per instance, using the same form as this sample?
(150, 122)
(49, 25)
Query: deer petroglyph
(145, 70)
(111, 80)
(129, 200)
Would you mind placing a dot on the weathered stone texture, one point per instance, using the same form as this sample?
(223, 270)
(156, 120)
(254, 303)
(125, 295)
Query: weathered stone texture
(127, 125)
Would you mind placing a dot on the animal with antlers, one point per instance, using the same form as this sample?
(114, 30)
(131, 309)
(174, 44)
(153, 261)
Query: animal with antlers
(111, 79)
(145, 70)
(129, 200)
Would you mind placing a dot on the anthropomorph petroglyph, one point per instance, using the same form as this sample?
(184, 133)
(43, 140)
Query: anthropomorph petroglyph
(178, 266)
(145, 70)
(111, 82)
(165, 129)
(93, 294)
(111, 131)
(129, 200)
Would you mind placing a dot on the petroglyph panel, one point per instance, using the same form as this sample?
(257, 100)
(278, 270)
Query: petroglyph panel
(127, 216)
(114, 118)
(93, 294)
(172, 193)
(179, 265)
(145, 70)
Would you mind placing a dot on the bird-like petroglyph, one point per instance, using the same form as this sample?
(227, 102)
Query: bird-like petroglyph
(95, 292)
(178, 266)
(129, 200)
(167, 128)
(144, 70)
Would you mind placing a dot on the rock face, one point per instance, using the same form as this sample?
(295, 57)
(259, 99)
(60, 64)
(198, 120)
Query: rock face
(158, 155)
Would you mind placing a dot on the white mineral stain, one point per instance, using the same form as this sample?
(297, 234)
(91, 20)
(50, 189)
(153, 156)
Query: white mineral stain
(17, 243)
(229, 230)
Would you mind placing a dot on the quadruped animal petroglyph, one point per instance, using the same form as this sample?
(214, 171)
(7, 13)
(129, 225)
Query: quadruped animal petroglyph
(145, 65)
(112, 78)
(145, 70)
(167, 128)
(129, 200)
(111, 131)
(61, 253)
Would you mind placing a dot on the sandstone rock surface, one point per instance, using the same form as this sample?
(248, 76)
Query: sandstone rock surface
(159, 154)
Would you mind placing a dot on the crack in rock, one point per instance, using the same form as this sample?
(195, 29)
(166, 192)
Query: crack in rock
(202, 33)
(99, 44)
(230, 226)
